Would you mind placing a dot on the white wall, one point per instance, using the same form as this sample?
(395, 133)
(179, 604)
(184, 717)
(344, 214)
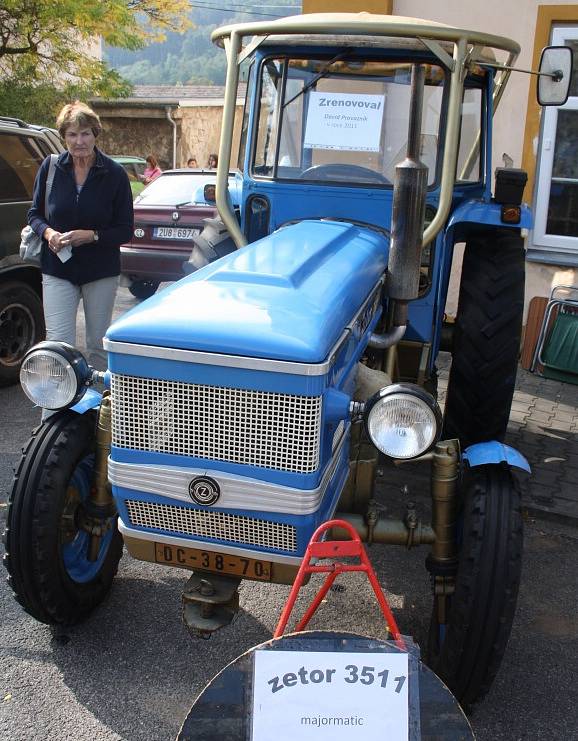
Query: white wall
(515, 19)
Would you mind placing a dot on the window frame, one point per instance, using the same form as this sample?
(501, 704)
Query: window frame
(283, 56)
(564, 249)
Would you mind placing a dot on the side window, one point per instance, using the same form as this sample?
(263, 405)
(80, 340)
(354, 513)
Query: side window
(246, 72)
(20, 158)
(469, 163)
(267, 132)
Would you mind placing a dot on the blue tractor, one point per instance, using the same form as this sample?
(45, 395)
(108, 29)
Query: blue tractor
(254, 399)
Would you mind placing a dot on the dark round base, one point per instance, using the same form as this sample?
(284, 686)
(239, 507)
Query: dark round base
(223, 710)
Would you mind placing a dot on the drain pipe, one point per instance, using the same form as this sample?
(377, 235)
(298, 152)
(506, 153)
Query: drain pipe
(174, 125)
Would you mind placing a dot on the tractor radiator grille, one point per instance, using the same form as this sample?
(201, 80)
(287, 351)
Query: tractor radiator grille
(210, 524)
(257, 428)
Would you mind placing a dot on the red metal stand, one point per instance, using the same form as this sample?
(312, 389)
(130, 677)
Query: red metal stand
(334, 549)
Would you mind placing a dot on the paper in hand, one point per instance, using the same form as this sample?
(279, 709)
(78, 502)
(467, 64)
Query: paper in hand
(65, 253)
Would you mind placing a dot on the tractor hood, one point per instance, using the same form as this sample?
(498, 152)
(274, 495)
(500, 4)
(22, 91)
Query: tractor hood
(288, 296)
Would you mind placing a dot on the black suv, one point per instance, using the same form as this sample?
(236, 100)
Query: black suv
(23, 147)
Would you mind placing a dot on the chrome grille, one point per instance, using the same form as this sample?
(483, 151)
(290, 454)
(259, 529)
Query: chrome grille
(211, 524)
(257, 428)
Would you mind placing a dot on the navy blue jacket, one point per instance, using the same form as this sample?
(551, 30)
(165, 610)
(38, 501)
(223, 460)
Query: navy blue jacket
(104, 204)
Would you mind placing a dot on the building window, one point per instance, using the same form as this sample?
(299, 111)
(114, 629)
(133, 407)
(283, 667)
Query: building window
(555, 236)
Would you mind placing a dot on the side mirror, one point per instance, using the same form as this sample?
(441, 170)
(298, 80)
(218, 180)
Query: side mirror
(209, 193)
(555, 75)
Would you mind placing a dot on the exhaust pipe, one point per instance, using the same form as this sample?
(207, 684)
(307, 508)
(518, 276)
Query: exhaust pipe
(407, 221)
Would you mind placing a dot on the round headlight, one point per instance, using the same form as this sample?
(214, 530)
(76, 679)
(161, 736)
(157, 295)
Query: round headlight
(403, 420)
(54, 375)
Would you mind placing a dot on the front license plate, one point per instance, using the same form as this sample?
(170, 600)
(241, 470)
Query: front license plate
(174, 232)
(222, 563)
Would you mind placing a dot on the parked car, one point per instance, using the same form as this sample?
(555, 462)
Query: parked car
(168, 214)
(23, 147)
(135, 167)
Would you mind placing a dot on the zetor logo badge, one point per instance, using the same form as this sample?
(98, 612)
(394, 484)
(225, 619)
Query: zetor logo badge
(204, 490)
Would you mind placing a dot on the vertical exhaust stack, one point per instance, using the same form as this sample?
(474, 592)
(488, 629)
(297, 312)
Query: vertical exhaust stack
(408, 210)
(407, 220)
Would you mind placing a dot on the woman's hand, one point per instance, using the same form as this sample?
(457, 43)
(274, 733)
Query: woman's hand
(76, 237)
(54, 239)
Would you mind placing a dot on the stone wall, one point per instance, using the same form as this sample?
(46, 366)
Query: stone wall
(140, 131)
(200, 133)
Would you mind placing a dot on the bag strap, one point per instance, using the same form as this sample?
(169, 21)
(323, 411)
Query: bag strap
(49, 180)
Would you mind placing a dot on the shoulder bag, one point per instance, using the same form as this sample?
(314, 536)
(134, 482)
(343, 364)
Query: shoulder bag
(30, 242)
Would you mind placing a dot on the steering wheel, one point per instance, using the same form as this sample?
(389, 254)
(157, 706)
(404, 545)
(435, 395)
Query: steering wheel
(343, 171)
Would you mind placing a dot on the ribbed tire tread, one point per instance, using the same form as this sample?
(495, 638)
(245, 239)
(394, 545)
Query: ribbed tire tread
(486, 342)
(483, 606)
(32, 556)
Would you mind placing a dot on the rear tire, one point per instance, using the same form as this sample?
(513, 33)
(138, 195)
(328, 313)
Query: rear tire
(46, 550)
(486, 342)
(467, 651)
(143, 288)
(21, 327)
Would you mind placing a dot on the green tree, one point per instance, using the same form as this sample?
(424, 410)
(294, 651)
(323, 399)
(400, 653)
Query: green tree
(47, 47)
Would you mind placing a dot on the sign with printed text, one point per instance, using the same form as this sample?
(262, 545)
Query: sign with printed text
(324, 695)
(345, 121)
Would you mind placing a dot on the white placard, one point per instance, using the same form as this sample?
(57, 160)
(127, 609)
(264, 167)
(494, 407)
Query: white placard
(345, 121)
(329, 696)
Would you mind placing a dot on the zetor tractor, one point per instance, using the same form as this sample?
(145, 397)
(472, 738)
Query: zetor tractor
(251, 401)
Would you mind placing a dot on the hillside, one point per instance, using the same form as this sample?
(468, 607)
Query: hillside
(191, 58)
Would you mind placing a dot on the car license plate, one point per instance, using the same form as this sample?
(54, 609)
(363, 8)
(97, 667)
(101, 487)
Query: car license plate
(222, 563)
(174, 232)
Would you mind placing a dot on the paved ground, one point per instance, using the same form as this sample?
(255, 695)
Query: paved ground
(544, 428)
(131, 671)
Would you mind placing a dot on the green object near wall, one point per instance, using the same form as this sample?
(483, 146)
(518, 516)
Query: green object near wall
(560, 354)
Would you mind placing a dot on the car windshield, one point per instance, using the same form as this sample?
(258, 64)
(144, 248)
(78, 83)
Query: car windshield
(342, 119)
(172, 188)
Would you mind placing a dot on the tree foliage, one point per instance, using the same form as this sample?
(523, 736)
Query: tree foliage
(47, 43)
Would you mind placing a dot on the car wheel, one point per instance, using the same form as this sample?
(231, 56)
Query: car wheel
(486, 343)
(143, 288)
(47, 557)
(21, 326)
(466, 650)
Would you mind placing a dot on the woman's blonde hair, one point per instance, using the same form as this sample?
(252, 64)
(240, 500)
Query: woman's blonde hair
(77, 114)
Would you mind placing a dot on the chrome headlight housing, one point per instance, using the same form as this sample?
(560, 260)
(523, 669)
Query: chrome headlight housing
(54, 375)
(402, 420)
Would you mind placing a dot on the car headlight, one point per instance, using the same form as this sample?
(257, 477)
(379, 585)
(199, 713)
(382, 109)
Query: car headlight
(402, 420)
(54, 375)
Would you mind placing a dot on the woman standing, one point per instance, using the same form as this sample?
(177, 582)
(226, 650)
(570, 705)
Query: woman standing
(89, 216)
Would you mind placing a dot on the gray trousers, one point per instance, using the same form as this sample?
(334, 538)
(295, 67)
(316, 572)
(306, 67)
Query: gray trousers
(61, 299)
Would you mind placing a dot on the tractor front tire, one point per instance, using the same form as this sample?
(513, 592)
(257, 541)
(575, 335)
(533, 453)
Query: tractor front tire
(467, 650)
(49, 569)
(486, 341)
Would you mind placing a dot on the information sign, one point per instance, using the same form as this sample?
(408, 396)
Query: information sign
(344, 121)
(325, 695)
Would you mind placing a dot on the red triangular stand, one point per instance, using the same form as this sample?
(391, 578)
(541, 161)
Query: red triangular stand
(334, 549)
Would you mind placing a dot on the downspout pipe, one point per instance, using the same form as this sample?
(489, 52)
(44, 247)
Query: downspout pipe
(174, 125)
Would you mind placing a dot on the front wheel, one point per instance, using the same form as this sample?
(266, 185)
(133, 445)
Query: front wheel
(466, 650)
(47, 551)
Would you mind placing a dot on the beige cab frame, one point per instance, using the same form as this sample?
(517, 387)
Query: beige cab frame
(467, 48)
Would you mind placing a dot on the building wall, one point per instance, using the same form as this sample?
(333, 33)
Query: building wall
(136, 133)
(515, 133)
(200, 132)
(140, 131)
